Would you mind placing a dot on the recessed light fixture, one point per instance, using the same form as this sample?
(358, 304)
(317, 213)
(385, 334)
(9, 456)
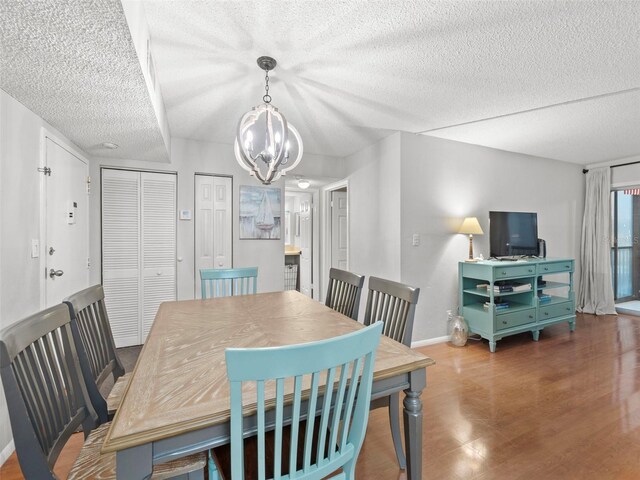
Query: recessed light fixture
(110, 145)
(303, 184)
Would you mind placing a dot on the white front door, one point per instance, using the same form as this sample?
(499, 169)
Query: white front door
(213, 237)
(305, 244)
(66, 236)
(339, 226)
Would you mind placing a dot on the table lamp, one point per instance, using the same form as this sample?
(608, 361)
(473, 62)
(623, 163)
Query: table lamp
(471, 227)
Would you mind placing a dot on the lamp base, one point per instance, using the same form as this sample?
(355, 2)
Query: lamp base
(471, 260)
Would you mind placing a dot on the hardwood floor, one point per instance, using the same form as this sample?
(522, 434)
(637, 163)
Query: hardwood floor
(566, 407)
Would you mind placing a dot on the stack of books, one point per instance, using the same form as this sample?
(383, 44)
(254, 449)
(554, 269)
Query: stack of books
(544, 298)
(499, 306)
(503, 287)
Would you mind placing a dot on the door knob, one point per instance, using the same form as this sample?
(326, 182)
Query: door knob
(55, 273)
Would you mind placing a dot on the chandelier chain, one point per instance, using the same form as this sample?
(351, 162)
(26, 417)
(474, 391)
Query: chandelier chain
(266, 98)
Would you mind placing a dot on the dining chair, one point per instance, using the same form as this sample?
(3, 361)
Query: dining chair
(88, 311)
(48, 401)
(343, 292)
(328, 425)
(227, 282)
(393, 304)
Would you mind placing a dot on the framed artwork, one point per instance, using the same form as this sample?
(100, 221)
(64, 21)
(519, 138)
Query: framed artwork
(260, 213)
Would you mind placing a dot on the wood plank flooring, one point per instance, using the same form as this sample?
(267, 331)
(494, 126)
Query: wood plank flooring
(566, 407)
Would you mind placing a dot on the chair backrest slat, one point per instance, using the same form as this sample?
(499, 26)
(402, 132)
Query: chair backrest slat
(299, 372)
(394, 304)
(343, 293)
(45, 393)
(227, 282)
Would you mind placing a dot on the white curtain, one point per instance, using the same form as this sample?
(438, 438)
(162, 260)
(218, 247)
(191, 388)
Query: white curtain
(595, 292)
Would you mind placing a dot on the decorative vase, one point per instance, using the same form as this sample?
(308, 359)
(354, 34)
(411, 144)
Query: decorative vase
(459, 331)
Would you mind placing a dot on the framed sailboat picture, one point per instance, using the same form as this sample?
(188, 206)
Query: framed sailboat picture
(259, 213)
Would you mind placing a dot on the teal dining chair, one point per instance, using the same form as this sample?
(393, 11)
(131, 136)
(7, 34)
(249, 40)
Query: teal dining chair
(227, 282)
(327, 426)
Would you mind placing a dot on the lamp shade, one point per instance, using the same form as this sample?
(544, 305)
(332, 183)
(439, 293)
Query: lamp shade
(471, 226)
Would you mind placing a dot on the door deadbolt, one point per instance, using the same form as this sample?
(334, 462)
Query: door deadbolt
(55, 273)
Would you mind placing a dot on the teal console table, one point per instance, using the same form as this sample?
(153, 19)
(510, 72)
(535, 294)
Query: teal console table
(499, 298)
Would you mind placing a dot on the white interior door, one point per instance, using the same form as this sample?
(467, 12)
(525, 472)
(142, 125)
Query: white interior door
(339, 226)
(66, 238)
(158, 206)
(213, 228)
(121, 253)
(306, 245)
(138, 249)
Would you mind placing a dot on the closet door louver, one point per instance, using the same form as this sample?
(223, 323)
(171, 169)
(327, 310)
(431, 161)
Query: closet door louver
(158, 244)
(121, 253)
(139, 249)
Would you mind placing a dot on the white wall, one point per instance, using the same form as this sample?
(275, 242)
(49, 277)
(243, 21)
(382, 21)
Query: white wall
(375, 210)
(441, 182)
(20, 134)
(189, 157)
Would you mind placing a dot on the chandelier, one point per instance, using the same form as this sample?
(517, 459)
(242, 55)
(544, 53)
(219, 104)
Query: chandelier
(267, 146)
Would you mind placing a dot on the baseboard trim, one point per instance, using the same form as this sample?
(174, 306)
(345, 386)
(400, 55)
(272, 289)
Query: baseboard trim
(6, 452)
(430, 341)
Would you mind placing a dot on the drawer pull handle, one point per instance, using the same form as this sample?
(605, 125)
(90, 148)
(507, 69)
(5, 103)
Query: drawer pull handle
(504, 322)
(567, 266)
(546, 269)
(546, 313)
(530, 316)
(530, 270)
(504, 273)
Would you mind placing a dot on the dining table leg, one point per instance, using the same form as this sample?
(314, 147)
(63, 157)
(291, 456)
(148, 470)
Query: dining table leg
(135, 463)
(413, 423)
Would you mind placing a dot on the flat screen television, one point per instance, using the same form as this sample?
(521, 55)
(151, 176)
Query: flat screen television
(513, 234)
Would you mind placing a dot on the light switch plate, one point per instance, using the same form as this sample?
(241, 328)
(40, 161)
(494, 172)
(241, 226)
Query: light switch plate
(416, 239)
(35, 248)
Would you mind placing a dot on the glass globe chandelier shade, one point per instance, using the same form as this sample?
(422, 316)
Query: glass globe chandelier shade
(266, 145)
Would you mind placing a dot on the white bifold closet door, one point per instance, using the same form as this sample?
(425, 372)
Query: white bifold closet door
(138, 249)
(213, 224)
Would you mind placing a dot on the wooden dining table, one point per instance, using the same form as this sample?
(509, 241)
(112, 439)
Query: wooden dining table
(177, 401)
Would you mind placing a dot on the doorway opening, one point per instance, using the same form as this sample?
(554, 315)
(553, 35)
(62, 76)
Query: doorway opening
(625, 249)
(336, 228)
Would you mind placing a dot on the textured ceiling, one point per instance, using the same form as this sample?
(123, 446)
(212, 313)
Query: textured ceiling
(74, 64)
(557, 79)
(350, 72)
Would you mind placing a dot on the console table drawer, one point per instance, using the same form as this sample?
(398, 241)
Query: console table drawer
(546, 312)
(515, 271)
(508, 320)
(555, 267)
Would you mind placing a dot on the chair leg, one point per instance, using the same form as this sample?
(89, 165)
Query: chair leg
(394, 421)
(211, 465)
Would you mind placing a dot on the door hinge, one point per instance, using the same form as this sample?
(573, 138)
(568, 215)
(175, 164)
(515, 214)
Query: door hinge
(45, 170)
(88, 262)
(331, 204)
(88, 184)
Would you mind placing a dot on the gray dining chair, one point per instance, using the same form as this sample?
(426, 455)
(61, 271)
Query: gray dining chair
(47, 401)
(394, 304)
(88, 311)
(343, 292)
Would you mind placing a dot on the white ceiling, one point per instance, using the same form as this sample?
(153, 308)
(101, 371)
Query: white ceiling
(557, 79)
(74, 64)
